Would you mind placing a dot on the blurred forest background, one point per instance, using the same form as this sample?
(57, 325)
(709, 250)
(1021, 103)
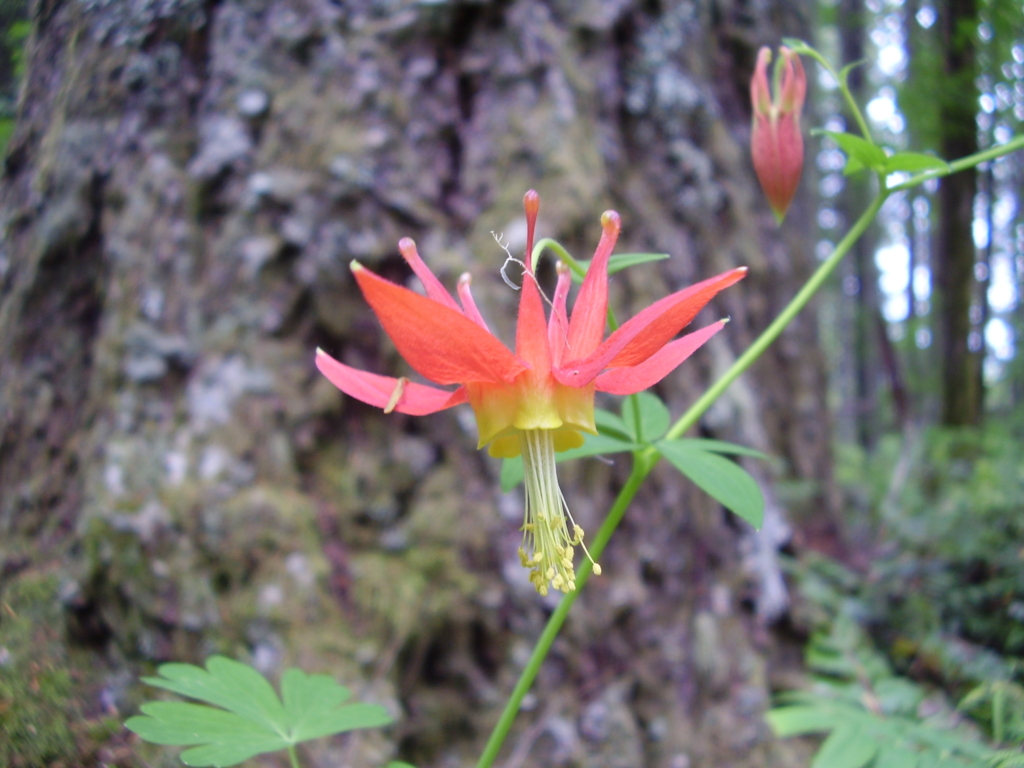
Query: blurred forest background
(183, 187)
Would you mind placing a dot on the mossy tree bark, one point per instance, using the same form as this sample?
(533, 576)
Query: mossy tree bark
(185, 188)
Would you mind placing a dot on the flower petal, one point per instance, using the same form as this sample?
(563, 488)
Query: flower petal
(643, 335)
(439, 343)
(532, 327)
(635, 378)
(558, 324)
(590, 312)
(414, 399)
(433, 286)
(469, 308)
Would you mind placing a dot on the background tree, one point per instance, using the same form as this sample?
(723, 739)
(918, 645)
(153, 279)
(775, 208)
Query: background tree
(183, 192)
(957, 290)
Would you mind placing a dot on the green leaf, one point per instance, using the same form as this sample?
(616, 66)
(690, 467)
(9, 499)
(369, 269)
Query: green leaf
(340, 720)
(863, 151)
(399, 764)
(721, 446)
(612, 425)
(915, 162)
(177, 722)
(895, 757)
(650, 412)
(512, 473)
(229, 684)
(846, 747)
(305, 695)
(312, 703)
(621, 261)
(799, 720)
(593, 445)
(853, 165)
(249, 718)
(722, 479)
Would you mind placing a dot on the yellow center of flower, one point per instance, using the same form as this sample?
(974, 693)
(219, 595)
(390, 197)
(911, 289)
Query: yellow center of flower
(548, 547)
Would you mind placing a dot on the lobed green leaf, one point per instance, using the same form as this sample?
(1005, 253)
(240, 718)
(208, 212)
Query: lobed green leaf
(724, 480)
(249, 718)
(226, 683)
(178, 723)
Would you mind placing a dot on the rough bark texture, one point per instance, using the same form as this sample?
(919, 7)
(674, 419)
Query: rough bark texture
(186, 187)
(958, 292)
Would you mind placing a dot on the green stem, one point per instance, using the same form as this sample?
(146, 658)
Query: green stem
(641, 468)
(574, 266)
(292, 756)
(559, 249)
(772, 332)
(962, 164)
(843, 88)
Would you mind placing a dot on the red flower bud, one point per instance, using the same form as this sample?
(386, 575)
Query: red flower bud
(776, 143)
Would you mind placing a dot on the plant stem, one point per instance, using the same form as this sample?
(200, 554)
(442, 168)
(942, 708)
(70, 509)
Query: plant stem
(772, 332)
(962, 164)
(840, 79)
(293, 756)
(641, 468)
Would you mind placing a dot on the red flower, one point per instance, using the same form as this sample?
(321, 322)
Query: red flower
(776, 144)
(539, 399)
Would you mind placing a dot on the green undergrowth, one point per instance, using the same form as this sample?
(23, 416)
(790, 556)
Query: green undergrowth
(42, 721)
(914, 658)
(947, 510)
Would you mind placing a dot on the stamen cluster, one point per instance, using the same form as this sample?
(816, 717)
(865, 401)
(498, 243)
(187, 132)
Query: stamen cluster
(548, 548)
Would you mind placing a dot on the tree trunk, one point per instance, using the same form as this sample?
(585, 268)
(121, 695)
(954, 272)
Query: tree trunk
(856, 197)
(959, 335)
(183, 194)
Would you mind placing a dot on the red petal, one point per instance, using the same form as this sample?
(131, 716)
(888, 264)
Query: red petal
(415, 400)
(531, 204)
(760, 94)
(433, 286)
(532, 328)
(469, 308)
(643, 335)
(589, 313)
(558, 324)
(636, 378)
(439, 343)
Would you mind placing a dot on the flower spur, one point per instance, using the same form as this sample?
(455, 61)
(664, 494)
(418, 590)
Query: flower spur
(540, 399)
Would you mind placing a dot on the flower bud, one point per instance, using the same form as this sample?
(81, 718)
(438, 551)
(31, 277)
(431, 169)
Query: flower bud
(776, 143)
